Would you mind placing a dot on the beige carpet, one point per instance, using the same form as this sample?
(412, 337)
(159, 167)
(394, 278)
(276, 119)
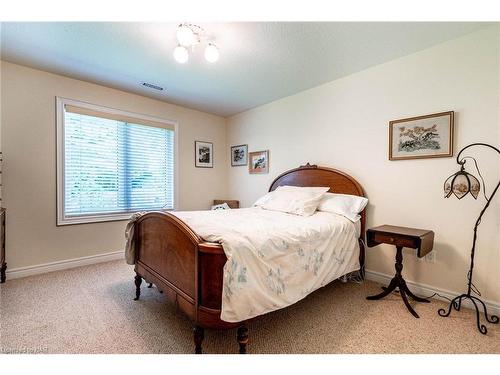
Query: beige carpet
(90, 310)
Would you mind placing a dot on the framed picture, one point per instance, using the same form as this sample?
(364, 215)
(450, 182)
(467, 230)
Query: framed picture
(203, 154)
(239, 155)
(429, 136)
(258, 162)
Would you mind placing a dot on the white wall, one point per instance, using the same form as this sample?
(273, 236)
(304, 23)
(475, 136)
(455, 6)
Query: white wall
(28, 143)
(344, 124)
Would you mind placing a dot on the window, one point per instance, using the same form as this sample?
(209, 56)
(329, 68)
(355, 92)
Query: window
(112, 163)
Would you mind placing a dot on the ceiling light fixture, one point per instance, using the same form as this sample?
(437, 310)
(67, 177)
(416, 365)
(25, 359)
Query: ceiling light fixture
(190, 35)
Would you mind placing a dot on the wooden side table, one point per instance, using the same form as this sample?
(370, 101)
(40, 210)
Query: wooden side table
(420, 239)
(230, 203)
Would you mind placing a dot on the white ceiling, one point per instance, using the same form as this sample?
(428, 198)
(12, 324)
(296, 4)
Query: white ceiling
(259, 62)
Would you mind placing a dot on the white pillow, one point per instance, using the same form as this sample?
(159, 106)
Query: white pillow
(343, 204)
(264, 199)
(293, 199)
(222, 206)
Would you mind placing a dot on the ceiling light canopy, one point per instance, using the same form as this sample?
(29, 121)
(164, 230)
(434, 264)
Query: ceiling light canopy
(188, 36)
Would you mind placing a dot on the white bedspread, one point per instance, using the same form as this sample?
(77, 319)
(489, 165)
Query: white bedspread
(275, 259)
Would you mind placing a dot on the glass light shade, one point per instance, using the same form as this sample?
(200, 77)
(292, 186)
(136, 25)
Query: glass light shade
(186, 36)
(181, 54)
(460, 184)
(211, 53)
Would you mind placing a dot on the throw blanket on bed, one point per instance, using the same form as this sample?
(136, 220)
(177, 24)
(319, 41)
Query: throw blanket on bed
(129, 237)
(275, 259)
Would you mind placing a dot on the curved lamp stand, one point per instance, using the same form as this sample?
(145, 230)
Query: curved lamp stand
(456, 303)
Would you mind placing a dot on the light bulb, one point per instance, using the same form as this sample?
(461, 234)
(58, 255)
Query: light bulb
(211, 53)
(185, 36)
(181, 54)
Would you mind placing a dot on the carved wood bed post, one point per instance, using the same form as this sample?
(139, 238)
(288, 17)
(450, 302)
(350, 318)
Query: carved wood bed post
(198, 335)
(138, 281)
(242, 337)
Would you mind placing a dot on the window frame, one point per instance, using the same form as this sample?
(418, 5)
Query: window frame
(61, 219)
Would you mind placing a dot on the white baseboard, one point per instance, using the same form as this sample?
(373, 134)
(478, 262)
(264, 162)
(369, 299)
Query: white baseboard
(16, 273)
(427, 290)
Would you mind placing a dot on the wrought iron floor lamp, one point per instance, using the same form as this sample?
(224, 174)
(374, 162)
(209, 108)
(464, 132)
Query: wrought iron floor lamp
(460, 184)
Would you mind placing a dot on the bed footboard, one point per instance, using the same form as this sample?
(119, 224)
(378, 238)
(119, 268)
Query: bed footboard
(165, 254)
(188, 270)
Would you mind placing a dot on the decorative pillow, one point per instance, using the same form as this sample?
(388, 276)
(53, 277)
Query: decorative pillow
(223, 206)
(294, 199)
(346, 205)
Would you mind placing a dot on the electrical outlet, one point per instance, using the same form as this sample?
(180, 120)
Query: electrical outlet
(431, 257)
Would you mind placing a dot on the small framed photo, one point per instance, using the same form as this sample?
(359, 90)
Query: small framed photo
(258, 162)
(239, 155)
(429, 136)
(204, 154)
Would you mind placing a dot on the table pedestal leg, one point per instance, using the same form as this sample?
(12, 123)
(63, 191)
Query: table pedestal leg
(398, 282)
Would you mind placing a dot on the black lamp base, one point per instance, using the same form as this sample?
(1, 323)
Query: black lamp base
(456, 303)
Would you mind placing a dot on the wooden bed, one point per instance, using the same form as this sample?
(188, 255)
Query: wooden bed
(189, 270)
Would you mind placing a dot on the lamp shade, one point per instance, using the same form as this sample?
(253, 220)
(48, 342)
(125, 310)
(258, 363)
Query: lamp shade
(211, 53)
(181, 54)
(460, 184)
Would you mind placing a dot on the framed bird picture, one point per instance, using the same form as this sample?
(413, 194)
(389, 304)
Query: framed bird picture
(429, 136)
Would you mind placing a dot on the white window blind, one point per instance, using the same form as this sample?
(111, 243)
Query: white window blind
(115, 164)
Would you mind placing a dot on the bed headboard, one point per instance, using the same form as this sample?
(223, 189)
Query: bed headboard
(312, 175)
